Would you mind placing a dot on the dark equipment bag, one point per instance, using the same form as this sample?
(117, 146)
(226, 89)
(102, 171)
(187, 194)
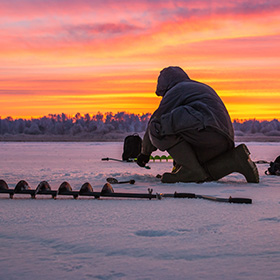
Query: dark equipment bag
(274, 168)
(131, 147)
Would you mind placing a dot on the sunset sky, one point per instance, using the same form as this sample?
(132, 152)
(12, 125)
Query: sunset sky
(69, 56)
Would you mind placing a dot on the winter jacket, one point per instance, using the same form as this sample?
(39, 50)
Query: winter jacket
(185, 105)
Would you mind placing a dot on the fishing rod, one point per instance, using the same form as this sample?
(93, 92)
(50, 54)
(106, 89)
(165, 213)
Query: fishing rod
(128, 160)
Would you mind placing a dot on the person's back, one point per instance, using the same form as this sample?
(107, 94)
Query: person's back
(198, 100)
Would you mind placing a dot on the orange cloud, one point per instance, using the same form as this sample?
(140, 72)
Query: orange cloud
(89, 56)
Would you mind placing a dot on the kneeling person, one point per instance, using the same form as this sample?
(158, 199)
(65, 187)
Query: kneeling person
(193, 125)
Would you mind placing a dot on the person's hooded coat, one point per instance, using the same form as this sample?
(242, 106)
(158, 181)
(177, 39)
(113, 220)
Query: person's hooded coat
(185, 105)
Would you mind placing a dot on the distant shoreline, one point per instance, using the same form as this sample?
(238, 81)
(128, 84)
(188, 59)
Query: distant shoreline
(112, 138)
(257, 138)
(60, 138)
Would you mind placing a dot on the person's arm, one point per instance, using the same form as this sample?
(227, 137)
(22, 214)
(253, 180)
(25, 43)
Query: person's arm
(147, 146)
(147, 149)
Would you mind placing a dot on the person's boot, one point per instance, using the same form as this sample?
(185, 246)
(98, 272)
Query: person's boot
(236, 160)
(188, 169)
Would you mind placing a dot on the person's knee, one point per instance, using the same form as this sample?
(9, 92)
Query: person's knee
(164, 143)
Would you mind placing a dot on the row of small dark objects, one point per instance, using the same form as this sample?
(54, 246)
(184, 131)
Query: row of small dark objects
(44, 188)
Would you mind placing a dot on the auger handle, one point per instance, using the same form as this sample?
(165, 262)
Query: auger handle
(240, 200)
(184, 195)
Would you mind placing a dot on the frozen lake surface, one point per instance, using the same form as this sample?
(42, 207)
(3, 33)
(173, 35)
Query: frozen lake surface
(133, 238)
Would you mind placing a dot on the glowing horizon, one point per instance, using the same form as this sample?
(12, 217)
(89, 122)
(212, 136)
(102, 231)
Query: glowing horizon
(84, 56)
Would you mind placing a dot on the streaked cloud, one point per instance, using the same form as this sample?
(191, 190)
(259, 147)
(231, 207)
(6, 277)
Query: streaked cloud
(62, 48)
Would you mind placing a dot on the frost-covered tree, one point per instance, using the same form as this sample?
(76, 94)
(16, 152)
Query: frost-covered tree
(121, 122)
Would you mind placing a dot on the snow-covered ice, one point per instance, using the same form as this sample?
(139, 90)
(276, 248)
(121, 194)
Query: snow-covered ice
(133, 238)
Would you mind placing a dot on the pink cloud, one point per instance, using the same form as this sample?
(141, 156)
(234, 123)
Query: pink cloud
(92, 32)
(242, 47)
(161, 9)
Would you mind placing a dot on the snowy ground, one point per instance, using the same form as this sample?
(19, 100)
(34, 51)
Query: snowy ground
(133, 238)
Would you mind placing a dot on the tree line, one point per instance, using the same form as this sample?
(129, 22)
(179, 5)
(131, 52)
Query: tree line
(268, 128)
(62, 124)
